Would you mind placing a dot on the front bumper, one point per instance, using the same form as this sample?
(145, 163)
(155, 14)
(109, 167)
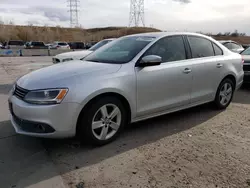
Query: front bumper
(59, 120)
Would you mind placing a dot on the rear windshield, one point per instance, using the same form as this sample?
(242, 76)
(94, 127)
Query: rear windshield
(62, 44)
(16, 43)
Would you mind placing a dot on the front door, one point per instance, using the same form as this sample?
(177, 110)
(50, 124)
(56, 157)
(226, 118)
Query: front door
(165, 86)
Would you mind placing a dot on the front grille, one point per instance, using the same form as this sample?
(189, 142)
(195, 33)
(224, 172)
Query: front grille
(55, 60)
(20, 92)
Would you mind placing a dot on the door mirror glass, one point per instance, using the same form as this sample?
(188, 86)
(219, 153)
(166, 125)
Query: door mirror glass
(150, 60)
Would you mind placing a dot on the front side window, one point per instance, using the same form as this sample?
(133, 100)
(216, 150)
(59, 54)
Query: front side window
(200, 47)
(120, 51)
(169, 49)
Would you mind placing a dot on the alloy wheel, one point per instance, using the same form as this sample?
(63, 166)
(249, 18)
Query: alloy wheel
(106, 122)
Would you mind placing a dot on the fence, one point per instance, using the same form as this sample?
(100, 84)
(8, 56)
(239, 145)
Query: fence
(33, 52)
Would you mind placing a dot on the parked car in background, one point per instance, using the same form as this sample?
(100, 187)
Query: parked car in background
(232, 45)
(14, 44)
(90, 44)
(35, 45)
(131, 79)
(69, 56)
(77, 45)
(246, 66)
(1, 45)
(245, 46)
(61, 45)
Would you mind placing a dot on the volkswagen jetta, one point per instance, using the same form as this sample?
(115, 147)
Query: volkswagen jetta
(133, 78)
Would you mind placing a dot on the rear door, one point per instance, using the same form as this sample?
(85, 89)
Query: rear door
(207, 68)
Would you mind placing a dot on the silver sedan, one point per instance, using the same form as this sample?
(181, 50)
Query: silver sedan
(131, 79)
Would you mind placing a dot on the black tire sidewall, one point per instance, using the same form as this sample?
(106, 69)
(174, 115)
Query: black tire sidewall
(85, 129)
(217, 98)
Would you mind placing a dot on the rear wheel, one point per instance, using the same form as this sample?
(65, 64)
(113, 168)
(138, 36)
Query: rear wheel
(102, 121)
(224, 94)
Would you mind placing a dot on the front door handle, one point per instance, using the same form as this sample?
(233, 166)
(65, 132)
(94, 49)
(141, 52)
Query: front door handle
(187, 71)
(219, 65)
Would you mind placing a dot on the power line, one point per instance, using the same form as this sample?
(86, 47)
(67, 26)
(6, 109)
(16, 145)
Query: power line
(136, 17)
(74, 12)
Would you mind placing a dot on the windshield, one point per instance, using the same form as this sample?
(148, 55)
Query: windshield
(37, 43)
(246, 52)
(99, 44)
(120, 51)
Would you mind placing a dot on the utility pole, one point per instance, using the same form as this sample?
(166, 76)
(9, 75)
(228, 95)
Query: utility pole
(74, 9)
(136, 17)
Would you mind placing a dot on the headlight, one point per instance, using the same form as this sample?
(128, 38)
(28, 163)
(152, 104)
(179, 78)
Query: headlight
(67, 59)
(49, 96)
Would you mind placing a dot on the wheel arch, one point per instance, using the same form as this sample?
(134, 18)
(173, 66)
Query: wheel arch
(231, 77)
(117, 95)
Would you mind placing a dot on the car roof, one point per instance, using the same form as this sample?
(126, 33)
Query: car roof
(163, 34)
(225, 41)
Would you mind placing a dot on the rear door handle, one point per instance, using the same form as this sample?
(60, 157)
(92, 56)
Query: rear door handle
(187, 71)
(219, 65)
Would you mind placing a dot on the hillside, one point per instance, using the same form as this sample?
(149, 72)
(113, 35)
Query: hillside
(50, 34)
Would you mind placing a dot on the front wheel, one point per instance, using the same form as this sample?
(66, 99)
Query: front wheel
(102, 121)
(224, 94)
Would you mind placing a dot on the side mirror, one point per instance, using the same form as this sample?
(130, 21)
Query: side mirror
(150, 60)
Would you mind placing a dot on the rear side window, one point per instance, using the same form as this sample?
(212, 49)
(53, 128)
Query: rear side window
(217, 50)
(200, 47)
(169, 49)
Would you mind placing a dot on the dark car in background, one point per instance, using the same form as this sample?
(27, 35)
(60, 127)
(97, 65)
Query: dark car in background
(35, 45)
(14, 44)
(246, 66)
(77, 45)
(232, 45)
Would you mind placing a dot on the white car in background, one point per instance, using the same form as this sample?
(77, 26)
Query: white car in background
(60, 45)
(77, 55)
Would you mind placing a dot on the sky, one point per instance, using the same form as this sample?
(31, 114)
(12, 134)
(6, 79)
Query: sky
(169, 15)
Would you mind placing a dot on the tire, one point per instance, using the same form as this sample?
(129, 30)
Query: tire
(94, 113)
(222, 92)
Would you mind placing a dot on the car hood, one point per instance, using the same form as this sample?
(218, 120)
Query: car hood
(76, 55)
(61, 75)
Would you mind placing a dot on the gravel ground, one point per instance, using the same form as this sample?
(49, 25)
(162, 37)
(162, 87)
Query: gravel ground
(194, 148)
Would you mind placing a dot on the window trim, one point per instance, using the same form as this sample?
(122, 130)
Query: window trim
(182, 36)
(205, 39)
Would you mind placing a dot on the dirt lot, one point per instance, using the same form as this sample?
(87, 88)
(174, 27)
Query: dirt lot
(195, 148)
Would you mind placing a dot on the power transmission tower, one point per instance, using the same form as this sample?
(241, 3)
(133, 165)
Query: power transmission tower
(136, 17)
(74, 10)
